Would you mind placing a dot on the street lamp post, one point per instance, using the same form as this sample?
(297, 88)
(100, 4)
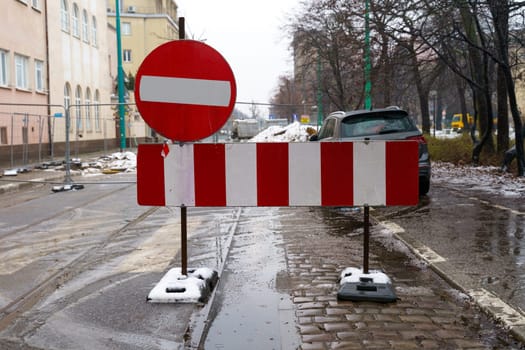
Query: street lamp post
(120, 75)
(368, 83)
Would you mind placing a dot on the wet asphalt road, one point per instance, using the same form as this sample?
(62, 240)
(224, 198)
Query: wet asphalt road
(98, 254)
(480, 236)
(76, 267)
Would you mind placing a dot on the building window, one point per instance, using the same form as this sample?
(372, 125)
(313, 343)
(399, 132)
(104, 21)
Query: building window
(78, 109)
(67, 96)
(126, 28)
(21, 72)
(94, 31)
(74, 21)
(3, 68)
(39, 75)
(36, 4)
(97, 111)
(88, 109)
(64, 15)
(126, 57)
(85, 26)
(3, 135)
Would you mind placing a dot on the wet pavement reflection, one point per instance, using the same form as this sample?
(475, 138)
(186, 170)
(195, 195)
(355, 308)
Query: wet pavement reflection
(480, 234)
(252, 308)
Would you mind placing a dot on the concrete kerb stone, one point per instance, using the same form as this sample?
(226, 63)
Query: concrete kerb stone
(511, 319)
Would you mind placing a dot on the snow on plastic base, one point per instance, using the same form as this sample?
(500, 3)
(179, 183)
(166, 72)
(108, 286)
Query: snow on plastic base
(353, 275)
(195, 287)
(374, 286)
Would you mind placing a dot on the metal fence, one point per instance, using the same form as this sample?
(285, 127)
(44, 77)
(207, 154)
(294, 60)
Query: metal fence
(36, 133)
(32, 133)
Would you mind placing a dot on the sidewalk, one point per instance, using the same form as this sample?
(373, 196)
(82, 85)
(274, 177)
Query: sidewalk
(429, 313)
(280, 283)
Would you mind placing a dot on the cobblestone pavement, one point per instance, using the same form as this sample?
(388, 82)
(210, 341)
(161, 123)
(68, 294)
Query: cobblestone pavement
(428, 314)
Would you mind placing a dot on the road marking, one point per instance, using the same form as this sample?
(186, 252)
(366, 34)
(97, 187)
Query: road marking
(515, 212)
(497, 206)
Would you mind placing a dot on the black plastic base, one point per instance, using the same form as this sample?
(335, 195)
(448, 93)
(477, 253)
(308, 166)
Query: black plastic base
(367, 291)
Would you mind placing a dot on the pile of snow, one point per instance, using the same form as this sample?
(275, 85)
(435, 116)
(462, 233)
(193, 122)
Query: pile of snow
(295, 132)
(121, 161)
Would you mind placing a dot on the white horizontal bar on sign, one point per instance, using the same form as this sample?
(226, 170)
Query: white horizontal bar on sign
(185, 91)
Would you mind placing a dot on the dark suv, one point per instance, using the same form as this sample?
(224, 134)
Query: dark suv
(389, 123)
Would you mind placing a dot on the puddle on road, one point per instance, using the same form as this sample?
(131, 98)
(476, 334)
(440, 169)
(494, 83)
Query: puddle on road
(253, 308)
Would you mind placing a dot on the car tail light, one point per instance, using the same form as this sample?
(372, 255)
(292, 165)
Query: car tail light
(420, 139)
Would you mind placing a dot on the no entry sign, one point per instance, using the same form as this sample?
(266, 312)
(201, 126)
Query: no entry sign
(185, 90)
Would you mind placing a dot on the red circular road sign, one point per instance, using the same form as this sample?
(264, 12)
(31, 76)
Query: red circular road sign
(185, 90)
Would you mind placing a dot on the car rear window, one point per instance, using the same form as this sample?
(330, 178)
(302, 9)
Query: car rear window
(376, 124)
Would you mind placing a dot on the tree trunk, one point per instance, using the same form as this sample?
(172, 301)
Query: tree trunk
(438, 116)
(503, 113)
(422, 91)
(500, 16)
(479, 69)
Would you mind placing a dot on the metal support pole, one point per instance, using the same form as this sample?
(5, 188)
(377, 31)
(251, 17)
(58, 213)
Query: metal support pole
(120, 80)
(183, 209)
(12, 140)
(368, 65)
(319, 93)
(182, 28)
(183, 239)
(68, 180)
(366, 238)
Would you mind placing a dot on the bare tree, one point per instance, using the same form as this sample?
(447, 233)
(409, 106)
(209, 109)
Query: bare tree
(415, 45)
(500, 11)
(328, 34)
(286, 99)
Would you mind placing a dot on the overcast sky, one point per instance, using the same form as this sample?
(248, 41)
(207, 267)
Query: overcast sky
(249, 36)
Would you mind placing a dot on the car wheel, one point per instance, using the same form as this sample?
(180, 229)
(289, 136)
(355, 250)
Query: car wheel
(424, 185)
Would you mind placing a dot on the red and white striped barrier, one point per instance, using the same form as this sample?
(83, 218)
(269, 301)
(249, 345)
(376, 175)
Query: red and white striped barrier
(373, 173)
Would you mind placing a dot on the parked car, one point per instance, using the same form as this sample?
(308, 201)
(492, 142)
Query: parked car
(391, 123)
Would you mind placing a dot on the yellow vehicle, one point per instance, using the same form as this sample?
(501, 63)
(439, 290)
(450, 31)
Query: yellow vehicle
(458, 121)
